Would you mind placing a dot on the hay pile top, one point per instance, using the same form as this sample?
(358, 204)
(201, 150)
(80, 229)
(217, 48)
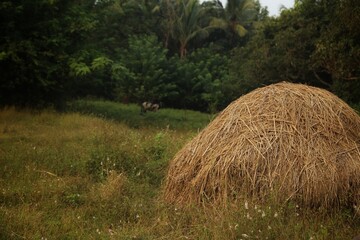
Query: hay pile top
(285, 141)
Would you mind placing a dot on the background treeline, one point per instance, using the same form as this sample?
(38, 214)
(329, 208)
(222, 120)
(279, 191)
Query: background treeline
(182, 53)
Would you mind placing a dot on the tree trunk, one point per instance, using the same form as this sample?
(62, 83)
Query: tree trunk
(182, 50)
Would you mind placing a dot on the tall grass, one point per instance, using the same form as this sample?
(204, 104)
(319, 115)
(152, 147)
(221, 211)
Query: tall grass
(74, 176)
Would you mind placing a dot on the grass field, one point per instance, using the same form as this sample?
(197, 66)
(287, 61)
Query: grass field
(98, 176)
(130, 115)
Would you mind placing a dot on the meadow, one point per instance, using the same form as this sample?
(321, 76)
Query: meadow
(96, 172)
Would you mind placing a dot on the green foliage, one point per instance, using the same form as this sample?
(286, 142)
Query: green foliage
(141, 74)
(236, 19)
(187, 24)
(308, 44)
(201, 80)
(130, 115)
(100, 63)
(78, 68)
(145, 74)
(181, 22)
(73, 199)
(168, 51)
(337, 54)
(279, 52)
(38, 40)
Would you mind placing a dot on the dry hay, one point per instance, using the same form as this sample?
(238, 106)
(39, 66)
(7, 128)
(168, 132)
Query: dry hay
(284, 141)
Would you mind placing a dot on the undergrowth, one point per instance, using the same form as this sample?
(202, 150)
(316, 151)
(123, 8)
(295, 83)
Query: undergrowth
(74, 176)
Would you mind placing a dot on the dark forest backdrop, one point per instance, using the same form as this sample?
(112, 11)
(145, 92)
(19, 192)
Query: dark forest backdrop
(178, 52)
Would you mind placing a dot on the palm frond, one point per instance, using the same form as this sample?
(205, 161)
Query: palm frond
(240, 30)
(219, 23)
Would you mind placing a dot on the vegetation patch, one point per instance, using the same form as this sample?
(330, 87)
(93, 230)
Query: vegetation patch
(47, 189)
(130, 114)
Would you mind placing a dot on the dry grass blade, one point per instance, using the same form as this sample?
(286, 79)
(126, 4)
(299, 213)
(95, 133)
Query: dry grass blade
(287, 140)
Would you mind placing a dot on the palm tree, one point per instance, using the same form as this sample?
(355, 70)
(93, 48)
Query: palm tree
(237, 14)
(182, 22)
(188, 23)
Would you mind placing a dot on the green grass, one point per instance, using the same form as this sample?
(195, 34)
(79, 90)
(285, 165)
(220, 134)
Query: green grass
(75, 176)
(130, 115)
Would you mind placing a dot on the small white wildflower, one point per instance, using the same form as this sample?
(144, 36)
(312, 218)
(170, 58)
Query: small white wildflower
(137, 216)
(248, 216)
(269, 227)
(246, 205)
(263, 214)
(98, 231)
(255, 207)
(236, 226)
(34, 148)
(101, 163)
(107, 159)
(78, 217)
(276, 215)
(356, 209)
(138, 174)
(245, 235)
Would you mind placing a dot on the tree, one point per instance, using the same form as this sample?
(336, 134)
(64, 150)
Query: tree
(314, 43)
(279, 51)
(336, 59)
(141, 74)
(200, 79)
(37, 40)
(188, 24)
(168, 14)
(237, 17)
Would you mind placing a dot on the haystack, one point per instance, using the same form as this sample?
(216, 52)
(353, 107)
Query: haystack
(284, 141)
